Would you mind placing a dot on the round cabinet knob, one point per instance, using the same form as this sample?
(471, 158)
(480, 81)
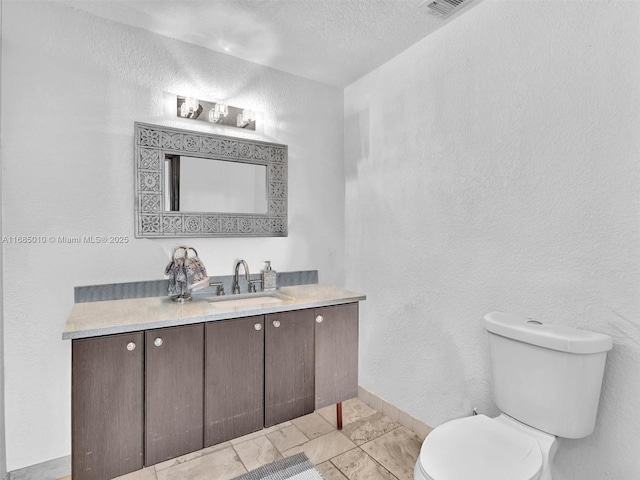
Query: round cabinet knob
(276, 323)
(131, 346)
(319, 319)
(158, 342)
(258, 326)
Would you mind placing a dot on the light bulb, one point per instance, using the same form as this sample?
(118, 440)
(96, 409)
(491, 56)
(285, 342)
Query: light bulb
(192, 104)
(247, 116)
(222, 109)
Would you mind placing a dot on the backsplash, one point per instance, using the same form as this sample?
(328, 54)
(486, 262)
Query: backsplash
(158, 288)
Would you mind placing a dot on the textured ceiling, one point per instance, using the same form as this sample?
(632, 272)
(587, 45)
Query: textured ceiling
(331, 41)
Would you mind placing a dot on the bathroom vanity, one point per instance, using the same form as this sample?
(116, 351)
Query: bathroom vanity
(153, 380)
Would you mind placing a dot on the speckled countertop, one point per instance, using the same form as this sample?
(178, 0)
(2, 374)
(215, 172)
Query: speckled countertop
(119, 316)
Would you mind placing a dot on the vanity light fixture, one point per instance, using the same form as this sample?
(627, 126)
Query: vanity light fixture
(217, 112)
(246, 118)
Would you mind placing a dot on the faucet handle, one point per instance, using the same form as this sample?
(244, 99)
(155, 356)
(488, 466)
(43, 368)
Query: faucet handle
(252, 285)
(219, 288)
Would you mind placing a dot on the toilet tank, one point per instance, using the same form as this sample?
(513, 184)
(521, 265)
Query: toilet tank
(546, 376)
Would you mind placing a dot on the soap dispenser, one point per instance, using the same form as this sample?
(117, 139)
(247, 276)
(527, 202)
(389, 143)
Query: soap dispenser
(268, 277)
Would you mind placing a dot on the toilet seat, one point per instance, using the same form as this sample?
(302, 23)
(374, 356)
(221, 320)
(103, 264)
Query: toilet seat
(479, 448)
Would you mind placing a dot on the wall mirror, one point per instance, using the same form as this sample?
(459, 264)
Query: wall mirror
(194, 184)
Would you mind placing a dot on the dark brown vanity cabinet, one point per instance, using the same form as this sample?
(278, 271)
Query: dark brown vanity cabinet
(145, 397)
(107, 406)
(173, 392)
(289, 366)
(336, 354)
(234, 378)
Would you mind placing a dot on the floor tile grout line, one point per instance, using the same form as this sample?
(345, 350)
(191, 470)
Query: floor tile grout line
(255, 438)
(367, 454)
(376, 461)
(358, 447)
(332, 458)
(281, 452)
(381, 435)
(372, 457)
(239, 457)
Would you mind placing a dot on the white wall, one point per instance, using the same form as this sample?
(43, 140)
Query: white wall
(72, 86)
(3, 450)
(495, 165)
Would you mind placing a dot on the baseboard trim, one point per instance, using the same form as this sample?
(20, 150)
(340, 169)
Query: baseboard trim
(390, 410)
(50, 470)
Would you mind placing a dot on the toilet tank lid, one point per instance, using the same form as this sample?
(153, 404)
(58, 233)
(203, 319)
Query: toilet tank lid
(547, 335)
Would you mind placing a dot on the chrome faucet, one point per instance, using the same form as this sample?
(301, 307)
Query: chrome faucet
(236, 284)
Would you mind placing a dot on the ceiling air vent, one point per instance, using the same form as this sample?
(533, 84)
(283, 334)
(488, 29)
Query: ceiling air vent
(444, 8)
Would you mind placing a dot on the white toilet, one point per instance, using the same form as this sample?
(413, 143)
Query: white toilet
(546, 380)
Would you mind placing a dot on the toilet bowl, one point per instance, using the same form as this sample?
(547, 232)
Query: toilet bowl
(546, 379)
(483, 448)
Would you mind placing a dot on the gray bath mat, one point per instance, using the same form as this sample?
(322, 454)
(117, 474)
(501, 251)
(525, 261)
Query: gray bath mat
(296, 467)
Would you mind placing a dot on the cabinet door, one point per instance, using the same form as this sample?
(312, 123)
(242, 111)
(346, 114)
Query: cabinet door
(289, 365)
(107, 406)
(336, 354)
(234, 379)
(174, 392)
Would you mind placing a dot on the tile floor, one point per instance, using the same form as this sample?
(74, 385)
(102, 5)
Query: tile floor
(370, 446)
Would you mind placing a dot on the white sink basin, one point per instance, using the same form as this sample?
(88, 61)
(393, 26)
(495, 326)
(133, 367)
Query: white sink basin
(249, 301)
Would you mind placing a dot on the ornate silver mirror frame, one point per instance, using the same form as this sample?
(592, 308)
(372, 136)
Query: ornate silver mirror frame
(152, 145)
